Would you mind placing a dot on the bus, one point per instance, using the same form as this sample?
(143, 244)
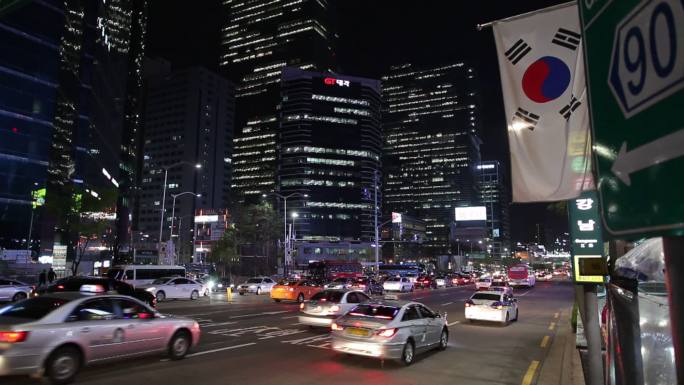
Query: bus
(144, 274)
(409, 270)
(328, 270)
(521, 275)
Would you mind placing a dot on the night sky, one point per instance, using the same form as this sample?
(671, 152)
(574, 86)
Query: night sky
(375, 34)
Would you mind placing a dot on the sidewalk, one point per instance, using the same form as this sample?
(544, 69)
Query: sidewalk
(562, 365)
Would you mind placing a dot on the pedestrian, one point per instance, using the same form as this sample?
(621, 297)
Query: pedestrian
(51, 276)
(42, 278)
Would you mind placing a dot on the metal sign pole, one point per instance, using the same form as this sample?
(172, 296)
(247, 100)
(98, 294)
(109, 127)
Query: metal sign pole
(673, 249)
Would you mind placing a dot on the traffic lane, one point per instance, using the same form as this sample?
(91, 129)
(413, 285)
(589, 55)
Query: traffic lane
(478, 354)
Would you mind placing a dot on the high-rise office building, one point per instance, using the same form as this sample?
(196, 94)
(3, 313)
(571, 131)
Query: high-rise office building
(66, 75)
(430, 126)
(330, 147)
(258, 39)
(495, 196)
(188, 121)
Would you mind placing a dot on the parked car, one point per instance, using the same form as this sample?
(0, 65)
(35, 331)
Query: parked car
(329, 304)
(174, 288)
(256, 285)
(390, 330)
(53, 335)
(99, 285)
(295, 290)
(402, 284)
(13, 290)
(491, 306)
(368, 285)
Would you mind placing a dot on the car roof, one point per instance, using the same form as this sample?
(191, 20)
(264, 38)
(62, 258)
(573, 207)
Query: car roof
(495, 292)
(391, 303)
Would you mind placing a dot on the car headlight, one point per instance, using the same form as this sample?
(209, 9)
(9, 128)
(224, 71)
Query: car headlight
(211, 284)
(231, 285)
(151, 289)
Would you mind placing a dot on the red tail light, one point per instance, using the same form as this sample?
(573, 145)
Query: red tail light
(60, 287)
(13, 337)
(387, 333)
(337, 327)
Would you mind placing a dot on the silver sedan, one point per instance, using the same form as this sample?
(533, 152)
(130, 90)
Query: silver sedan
(390, 330)
(329, 304)
(56, 334)
(13, 290)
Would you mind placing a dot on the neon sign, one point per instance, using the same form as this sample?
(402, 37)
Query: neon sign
(333, 81)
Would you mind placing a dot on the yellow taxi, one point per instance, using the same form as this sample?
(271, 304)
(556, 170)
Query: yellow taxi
(295, 290)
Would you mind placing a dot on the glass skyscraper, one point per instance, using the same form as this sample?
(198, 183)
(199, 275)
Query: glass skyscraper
(70, 107)
(430, 125)
(258, 39)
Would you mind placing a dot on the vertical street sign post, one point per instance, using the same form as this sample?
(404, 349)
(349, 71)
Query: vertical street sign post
(588, 271)
(634, 52)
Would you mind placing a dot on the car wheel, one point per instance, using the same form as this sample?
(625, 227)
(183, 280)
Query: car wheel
(516, 315)
(19, 296)
(179, 345)
(63, 365)
(161, 296)
(506, 321)
(194, 295)
(277, 300)
(300, 298)
(258, 292)
(408, 354)
(242, 293)
(444, 339)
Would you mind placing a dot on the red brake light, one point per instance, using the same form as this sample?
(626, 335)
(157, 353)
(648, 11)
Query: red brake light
(387, 332)
(13, 337)
(60, 287)
(337, 327)
(334, 308)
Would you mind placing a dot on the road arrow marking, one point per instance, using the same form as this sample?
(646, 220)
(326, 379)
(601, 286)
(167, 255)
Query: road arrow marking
(650, 154)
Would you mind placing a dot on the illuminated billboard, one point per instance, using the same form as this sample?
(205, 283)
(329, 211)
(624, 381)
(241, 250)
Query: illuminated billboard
(396, 217)
(472, 213)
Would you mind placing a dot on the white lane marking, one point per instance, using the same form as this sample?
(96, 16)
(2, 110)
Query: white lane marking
(296, 323)
(215, 324)
(447, 303)
(453, 323)
(289, 317)
(258, 314)
(525, 293)
(220, 349)
(417, 298)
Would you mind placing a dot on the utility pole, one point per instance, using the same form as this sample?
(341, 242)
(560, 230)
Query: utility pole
(377, 231)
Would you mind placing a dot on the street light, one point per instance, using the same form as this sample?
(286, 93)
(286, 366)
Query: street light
(173, 209)
(166, 175)
(285, 198)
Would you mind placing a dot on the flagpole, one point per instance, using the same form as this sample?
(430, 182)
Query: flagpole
(480, 27)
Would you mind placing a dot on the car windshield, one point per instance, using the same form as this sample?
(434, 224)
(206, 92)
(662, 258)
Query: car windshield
(34, 308)
(328, 296)
(288, 283)
(393, 280)
(340, 280)
(499, 283)
(486, 296)
(115, 273)
(376, 311)
(160, 281)
(484, 280)
(254, 280)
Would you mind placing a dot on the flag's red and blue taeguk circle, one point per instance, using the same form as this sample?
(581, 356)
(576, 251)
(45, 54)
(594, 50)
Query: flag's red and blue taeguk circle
(546, 79)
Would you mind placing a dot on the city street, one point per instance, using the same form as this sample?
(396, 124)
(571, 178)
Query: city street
(255, 341)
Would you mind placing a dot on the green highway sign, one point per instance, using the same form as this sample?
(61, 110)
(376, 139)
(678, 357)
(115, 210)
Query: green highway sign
(634, 54)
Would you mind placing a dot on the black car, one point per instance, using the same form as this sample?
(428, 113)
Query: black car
(368, 285)
(108, 284)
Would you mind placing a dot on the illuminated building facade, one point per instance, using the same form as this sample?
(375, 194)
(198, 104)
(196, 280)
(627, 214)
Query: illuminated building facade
(495, 196)
(430, 126)
(67, 71)
(330, 150)
(188, 120)
(258, 39)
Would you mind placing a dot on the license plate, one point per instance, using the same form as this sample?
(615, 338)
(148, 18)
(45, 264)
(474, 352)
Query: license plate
(358, 332)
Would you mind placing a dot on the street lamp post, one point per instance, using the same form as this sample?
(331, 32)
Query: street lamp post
(173, 208)
(285, 238)
(166, 177)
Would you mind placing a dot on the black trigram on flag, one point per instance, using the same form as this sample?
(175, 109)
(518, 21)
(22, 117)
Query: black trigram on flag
(518, 51)
(526, 119)
(570, 108)
(567, 39)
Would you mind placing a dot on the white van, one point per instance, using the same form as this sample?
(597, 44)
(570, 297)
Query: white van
(144, 274)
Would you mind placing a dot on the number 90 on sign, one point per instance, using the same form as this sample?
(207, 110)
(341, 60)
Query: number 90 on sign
(647, 62)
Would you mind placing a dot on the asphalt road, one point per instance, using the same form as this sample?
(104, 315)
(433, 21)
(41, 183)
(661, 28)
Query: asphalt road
(254, 341)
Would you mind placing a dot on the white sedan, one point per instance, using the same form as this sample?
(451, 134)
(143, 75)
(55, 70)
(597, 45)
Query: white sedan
(256, 285)
(492, 306)
(174, 287)
(483, 283)
(402, 284)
